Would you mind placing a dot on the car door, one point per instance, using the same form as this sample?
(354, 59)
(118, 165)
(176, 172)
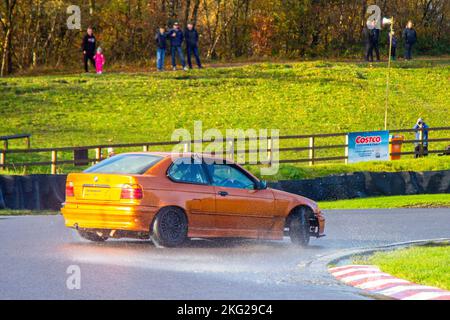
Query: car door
(193, 188)
(240, 207)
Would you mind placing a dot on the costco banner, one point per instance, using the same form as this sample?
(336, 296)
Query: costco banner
(368, 146)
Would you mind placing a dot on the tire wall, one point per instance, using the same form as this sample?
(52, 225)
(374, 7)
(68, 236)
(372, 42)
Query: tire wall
(46, 192)
(368, 184)
(33, 192)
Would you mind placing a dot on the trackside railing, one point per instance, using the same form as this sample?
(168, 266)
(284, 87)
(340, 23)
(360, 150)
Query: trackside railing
(297, 144)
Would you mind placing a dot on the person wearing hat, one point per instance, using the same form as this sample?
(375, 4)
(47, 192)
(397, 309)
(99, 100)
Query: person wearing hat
(421, 144)
(176, 40)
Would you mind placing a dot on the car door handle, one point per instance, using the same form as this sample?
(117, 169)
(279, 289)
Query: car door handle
(222, 193)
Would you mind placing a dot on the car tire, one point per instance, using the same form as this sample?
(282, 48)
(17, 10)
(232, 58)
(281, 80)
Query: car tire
(92, 236)
(170, 227)
(299, 226)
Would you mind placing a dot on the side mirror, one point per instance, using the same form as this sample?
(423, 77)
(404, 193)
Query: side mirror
(262, 185)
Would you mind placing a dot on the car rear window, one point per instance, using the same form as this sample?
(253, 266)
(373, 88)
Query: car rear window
(125, 164)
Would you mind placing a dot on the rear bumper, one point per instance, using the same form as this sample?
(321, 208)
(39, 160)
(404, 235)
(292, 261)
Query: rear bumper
(128, 218)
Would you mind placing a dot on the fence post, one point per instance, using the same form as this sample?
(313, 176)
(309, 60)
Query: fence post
(311, 151)
(54, 162)
(2, 159)
(346, 149)
(145, 148)
(187, 147)
(98, 155)
(28, 143)
(5, 144)
(230, 149)
(421, 150)
(269, 150)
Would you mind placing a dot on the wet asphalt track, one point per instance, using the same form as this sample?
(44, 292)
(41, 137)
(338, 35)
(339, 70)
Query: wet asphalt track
(35, 253)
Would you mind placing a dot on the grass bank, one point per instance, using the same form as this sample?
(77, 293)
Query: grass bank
(413, 201)
(427, 265)
(8, 212)
(297, 98)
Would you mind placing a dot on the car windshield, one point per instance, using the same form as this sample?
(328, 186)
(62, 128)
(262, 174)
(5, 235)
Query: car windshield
(125, 164)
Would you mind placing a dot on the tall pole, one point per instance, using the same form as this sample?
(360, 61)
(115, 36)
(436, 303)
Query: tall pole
(391, 35)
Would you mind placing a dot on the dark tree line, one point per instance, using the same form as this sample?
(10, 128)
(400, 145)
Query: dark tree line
(34, 32)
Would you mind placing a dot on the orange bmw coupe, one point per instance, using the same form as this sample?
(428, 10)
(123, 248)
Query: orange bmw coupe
(169, 197)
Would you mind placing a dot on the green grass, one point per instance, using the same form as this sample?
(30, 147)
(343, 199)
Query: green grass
(428, 265)
(297, 98)
(8, 212)
(412, 201)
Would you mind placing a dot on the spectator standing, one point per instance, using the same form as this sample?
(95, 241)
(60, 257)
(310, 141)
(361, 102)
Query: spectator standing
(372, 39)
(421, 146)
(410, 39)
(89, 45)
(376, 40)
(100, 60)
(176, 40)
(368, 50)
(191, 37)
(394, 45)
(161, 43)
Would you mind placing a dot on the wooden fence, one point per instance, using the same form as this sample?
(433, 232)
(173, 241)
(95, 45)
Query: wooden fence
(312, 147)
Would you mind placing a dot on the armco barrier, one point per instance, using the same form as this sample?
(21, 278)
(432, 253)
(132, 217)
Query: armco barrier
(33, 192)
(46, 192)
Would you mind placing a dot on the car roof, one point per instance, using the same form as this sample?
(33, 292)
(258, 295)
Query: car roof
(177, 155)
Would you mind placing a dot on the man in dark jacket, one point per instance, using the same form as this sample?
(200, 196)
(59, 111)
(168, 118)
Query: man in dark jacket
(191, 36)
(372, 39)
(89, 45)
(410, 38)
(176, 40)
(161, 43)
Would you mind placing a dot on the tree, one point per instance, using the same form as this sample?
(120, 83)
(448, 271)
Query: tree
(7, 22)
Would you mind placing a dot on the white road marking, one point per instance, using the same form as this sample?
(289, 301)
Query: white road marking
(376, 283)
(350, 267)
(343, 272)
(426, 295)
(399, 289)
(363, 276)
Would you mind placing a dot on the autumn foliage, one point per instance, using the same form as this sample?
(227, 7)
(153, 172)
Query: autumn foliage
(34, 32)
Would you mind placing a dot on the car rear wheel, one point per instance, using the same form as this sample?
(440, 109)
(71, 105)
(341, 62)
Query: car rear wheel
(299, 226)
(92, 236)
(170, 227)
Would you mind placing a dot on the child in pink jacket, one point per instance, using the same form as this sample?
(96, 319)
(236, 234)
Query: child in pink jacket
(99, 59)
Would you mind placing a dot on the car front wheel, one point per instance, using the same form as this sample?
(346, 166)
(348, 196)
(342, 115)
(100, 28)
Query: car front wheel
(169, 228)
(299, 226)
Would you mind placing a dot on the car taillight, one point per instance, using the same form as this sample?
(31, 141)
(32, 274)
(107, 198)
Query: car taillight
(70, 190)
(132, 192)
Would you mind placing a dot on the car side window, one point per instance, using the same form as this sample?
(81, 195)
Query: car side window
(188, 172)
(229, 177)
